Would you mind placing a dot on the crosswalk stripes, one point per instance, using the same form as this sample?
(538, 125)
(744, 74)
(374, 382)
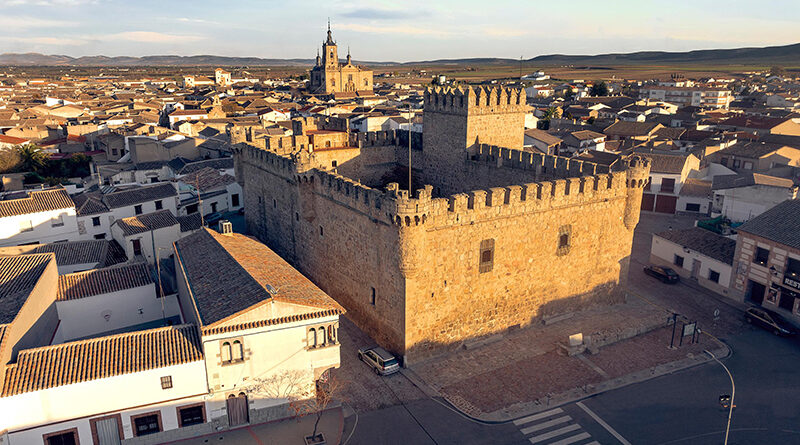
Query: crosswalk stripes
(553, 427)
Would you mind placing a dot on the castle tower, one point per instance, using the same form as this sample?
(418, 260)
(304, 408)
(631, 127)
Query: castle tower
(638, 174)
(457, 119)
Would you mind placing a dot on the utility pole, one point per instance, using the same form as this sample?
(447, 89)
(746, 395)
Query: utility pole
(733, 395)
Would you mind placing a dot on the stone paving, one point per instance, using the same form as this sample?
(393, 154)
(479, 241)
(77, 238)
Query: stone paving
(363, 390)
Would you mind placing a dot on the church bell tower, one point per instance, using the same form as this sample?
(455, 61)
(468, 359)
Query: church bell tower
(330, 54)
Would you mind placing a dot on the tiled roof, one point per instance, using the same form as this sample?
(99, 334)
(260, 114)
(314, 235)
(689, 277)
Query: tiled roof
(625, 128)
(190, 222)
(270, 322)
(102, 281)
(80, 361)
(750, 149)
(229, 273)
(89, 204)
(208, 179)
(37, 201)
(664, 163)
(583, 135)
(139, 195)
(147, 222)
(219, 164)
(722, 182)
(696, 187)
(758, 122)
(18, 275)
(543, 136)
(104, 252)
(707, 243)
(779, 224)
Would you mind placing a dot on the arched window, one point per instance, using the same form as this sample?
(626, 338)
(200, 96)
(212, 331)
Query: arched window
(238, 351)
(321, 335)
(312, 338)
(331, 334)
(225, 354)
(327, 143)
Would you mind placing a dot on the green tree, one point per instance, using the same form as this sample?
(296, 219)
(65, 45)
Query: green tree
(32, 157)
(599, 89)
(551, 113)
(10, 161)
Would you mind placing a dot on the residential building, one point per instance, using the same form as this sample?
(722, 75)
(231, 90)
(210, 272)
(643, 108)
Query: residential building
(75, 256)
(217, 191)
(583, 140)
(668, 172)
(37, 217)
(637, 131)
(695, 196)
(695, 96)
(756, 156)
(697, 255)
(542, 141)
(767, 260)
(740, 197)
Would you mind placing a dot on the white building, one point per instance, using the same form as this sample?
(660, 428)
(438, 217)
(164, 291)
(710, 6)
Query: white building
(147, 236)
(741, 197)
(218, 192)
(39, 216)
(696, 255)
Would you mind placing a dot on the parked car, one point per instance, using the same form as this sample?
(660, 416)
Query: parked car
(769, 321)
(212, 218)
(664, 274)
(379, 359)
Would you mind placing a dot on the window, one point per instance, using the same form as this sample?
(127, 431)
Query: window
(62, 438)
(166, 382)
(58, 221)
(692, 207)
(327, 144)
(320, 231)
(713, 275)
(114, 151)
(748, 165)
(793, 268)
(213, 207)
(296, 216)
(225, 352)
(678, 261)
(137, 209)
(312, 338)
(159, 205)
(724, 161)
(100, 236)
(334, 164)
(235, 200)
(191, 209)
(26, 226)
(95, 221)
(668, 185)
(737, 163)
(486, 256)
(145, 424)
(274, 203)
(137, 247)
(191, 415)
(761, 257)
(238, 351)
(564, 240)
(372, 298)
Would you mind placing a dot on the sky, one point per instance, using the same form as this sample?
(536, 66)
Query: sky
(379, 30)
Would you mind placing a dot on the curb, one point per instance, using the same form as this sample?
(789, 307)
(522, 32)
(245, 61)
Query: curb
(587, 391)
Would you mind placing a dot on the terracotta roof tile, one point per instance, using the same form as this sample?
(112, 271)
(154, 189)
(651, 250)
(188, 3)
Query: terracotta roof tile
(139, 195)
(51, 366)
(37, 201)
(102, 281)
(18, 275)
(147, 222)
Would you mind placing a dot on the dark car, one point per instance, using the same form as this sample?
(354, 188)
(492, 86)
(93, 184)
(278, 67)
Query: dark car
(212, 218)
(769, 321)
(664, 274)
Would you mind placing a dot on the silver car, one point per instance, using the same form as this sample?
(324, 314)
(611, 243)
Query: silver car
(379, 359)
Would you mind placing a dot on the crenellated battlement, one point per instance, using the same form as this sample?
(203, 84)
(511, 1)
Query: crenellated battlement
(467, 99)
(541, 164)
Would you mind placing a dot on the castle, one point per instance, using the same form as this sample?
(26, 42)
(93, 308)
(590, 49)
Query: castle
(493, 238)
(329, 76)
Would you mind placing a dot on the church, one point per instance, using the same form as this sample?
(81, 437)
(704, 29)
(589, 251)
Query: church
(329, 76)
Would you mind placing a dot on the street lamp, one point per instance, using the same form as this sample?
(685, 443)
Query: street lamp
(733, 394)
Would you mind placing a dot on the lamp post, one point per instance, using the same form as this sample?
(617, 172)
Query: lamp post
(733, 394)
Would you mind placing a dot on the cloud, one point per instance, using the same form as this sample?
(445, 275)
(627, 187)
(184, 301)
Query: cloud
(398, 29)
(376, 14)
(50, 41)
(8, 22)
(153, 37)
(49, 2)
(191, 20)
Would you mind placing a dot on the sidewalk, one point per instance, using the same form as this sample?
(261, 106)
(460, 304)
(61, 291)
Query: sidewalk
(526, 373)
(280, 432)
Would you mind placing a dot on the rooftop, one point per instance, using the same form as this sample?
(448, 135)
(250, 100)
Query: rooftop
(138, 195)
(147, 222)
(703, 241)
(78, 285)
(37, 201)
(18, 275)
(778, 224)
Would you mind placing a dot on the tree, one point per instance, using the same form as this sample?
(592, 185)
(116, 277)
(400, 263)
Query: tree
(32, 157)
(304, 397)
(599, 89)
(569, 94)
(551, 113)
(10, 160)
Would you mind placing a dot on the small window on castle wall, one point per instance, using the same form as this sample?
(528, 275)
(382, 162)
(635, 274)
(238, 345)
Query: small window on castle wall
(320, 231)
(372, 297)
(334, 164)
(486, 256)
(564, 240)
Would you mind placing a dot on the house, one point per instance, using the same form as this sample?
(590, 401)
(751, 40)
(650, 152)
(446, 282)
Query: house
(639, 131)
(7, 142)
(696, 96)
(542, 141)
(767, 260)
(761, 125)
(35, 217)
(756, 156)
(695, 196)
(583, 140)
(668, 172)
(186, 115)
(740, 197)
(147, 236)
(697, 255)
(218, 192)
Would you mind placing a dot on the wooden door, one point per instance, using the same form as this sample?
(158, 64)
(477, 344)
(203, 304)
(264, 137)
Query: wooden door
(237, 410)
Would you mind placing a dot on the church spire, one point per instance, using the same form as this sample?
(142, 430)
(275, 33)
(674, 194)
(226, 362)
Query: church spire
(318, 60)
(330, 37)
(348, 55)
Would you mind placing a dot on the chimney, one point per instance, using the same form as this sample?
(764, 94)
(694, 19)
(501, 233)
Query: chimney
(225, 227)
